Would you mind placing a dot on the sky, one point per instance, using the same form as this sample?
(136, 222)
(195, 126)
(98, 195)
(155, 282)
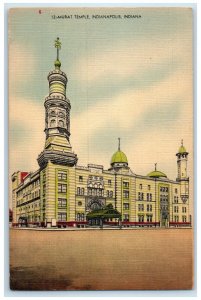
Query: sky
(129, 78)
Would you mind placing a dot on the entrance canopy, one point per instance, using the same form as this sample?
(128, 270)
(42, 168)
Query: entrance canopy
(104, 213)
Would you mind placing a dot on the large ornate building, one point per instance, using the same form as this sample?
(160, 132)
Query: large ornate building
(62, 193)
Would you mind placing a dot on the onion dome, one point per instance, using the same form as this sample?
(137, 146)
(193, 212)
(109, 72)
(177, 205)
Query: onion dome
(157, 174)
(57, 64)
(182, 151)
(119, 158)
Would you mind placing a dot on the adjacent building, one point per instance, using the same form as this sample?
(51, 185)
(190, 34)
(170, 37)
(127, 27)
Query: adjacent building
(62, 193)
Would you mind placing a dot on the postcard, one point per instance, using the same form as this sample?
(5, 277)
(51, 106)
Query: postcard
(101, 148)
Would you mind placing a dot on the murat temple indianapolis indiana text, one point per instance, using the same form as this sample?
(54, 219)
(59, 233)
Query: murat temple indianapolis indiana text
(61, 193)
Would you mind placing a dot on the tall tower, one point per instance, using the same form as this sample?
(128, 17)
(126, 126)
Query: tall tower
(182, 177)
(182, 157)
(57, 119)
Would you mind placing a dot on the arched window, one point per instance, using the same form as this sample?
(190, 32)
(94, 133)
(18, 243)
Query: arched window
(52, 113)
(61, 114)
(52, 123)
(61, 123)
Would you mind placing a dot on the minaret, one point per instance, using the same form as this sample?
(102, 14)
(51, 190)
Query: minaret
(57, 119)
(182, 157)
(182, 177)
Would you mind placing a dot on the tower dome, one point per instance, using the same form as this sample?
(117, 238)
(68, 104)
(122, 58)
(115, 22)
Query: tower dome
(119, 158)
(182, 149)
(156, 174)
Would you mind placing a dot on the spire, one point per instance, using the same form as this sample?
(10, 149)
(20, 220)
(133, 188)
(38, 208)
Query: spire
(119, 144)
(57, 45)
(155, 166)
(182, 142)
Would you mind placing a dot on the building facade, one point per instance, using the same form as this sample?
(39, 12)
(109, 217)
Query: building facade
(62, 193)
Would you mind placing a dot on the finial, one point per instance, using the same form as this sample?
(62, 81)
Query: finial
(155, 166)
(57, 45)
(119, 144)
(182, 142)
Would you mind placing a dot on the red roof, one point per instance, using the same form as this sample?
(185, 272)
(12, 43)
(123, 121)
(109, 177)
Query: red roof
(23, 175)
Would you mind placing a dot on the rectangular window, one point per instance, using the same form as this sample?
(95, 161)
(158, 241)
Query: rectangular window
(175, 191)
(126, 205)
(141, 207)
(109, 182)
(176, 218)
(126, 194)
(149, 218)
(140, 218)
(62, 188)
(147, 196)
(149, 207)
(150, 197)
(126, 217)
(176, 209)
(149, 187)
(62, 175)
(125, 184)
(80, 178)
(140, 186)
(62, 216)
(184, 209)
(183, 218)
(62, 202)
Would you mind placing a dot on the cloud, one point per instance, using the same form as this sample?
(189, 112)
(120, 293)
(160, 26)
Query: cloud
(22, 63)
(26, 137)
(132, 110)
(123, 59)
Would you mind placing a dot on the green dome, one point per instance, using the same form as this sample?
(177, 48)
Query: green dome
(119, 157)
(182, 149)
(57, 63)
(156, 174)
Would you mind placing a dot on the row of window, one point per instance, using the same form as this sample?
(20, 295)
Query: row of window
(53, 123)
(28, 188)
(141, 218)
(63, 216)
(148, 186)
(164, 189)
(27, 207)
(164, 198)
(176, 219)
(141, 196)
(31, 196)
(176, 209)
(60, 114)
(94, 192)
(62, 176)
(141, 207)
(62, 202)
